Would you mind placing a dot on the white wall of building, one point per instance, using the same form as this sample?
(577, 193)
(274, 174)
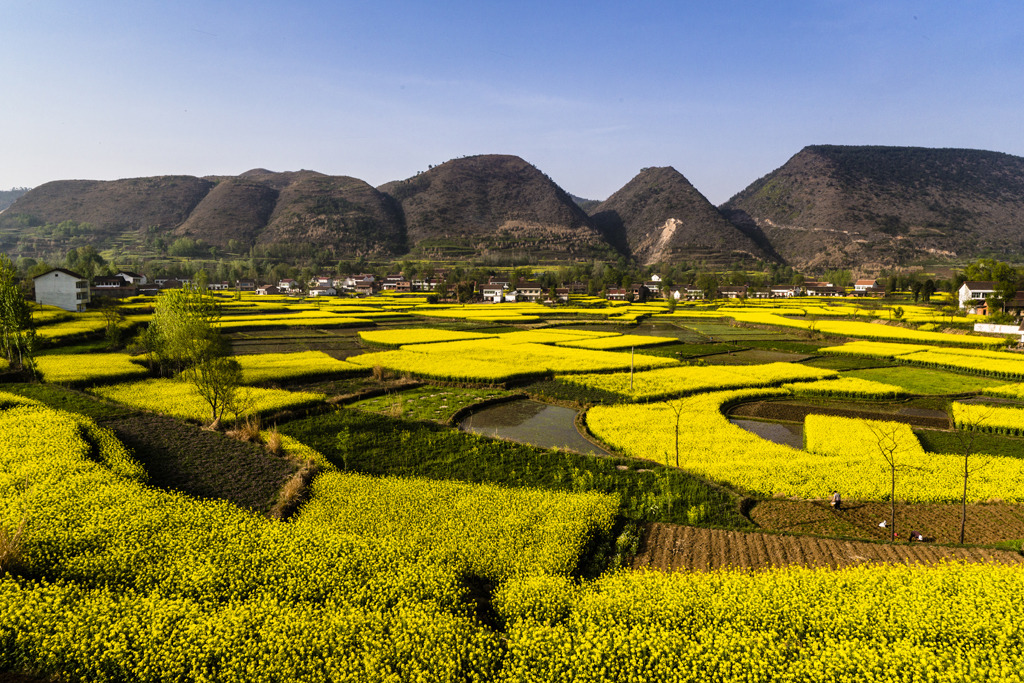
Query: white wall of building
(62, 289)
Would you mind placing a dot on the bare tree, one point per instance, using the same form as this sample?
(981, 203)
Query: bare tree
(973, 462)
(677, 410)
(887, 440)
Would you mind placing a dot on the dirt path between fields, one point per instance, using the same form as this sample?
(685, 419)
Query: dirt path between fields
(670, 547)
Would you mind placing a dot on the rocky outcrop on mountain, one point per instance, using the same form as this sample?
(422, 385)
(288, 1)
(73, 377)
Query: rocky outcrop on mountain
(659, 217)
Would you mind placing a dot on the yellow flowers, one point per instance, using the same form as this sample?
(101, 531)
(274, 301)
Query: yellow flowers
(274, 367)
(396, 338)
(845, 328)
(980, 361)
(368, 582)
(88, 367)
(504, 357)
(686, 380)
(623, 341)
(713, 447)
(872, 624)
(987, 418)
(180, 399)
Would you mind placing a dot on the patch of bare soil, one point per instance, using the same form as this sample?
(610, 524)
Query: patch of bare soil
(796, 412)
(669, 547)
(939, 522)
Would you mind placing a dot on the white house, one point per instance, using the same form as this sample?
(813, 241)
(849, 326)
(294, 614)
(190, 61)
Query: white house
(864, 285)
(975, 291)
(529, 291)
(135, 278)
(323, 291)
(693, 292)
(62, 288)
(492, 293)
(733, 292)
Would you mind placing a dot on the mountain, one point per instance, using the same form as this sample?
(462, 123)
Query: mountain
(7, 197)
(492, 203)
(296, 210)
(161, 201)
(872, 207)
(234, 209)
(658, 216)
(343, 212)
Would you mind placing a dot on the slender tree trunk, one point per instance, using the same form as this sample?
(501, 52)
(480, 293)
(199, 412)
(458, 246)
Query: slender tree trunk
(631, 383)
(678, 416)
(963, 504)
(892, 505)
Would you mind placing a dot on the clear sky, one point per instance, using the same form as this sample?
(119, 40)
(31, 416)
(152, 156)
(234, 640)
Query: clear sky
(589, 92)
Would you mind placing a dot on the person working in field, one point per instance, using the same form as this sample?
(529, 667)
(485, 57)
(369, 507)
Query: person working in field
(836, 500)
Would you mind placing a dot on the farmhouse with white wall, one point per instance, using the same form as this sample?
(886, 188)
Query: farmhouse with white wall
(62, 288)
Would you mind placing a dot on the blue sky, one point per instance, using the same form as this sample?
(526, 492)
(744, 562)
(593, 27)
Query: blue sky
(589, 92)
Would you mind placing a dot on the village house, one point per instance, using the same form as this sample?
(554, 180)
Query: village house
(245, 285)
(218, 286)
(492, 293)
(115, 286)
(826, 290)
(972, 292)
(618, 294)
(366, 287)
(529, 291)
(1015, 306)
(267, 289)
(864, 285)
(693, 293)
(639, 292)
(134, 278)
(733, 292)
(783, 291)
(504, 283)
(63, 289)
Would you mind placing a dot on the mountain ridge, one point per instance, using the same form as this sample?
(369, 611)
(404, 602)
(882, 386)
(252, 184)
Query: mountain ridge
(828, 206)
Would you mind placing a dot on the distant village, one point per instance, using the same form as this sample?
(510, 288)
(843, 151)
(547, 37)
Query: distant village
(68, 290)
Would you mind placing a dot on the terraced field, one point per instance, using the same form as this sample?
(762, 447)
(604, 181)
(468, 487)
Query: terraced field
(669, 547)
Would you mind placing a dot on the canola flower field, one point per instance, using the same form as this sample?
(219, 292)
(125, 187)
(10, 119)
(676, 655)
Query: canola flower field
(713, 447)
(275, 367)
(124, 583)
(181, 400)
(380, 578)
(685, 380)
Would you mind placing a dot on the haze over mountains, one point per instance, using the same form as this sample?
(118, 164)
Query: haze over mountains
(827, 207)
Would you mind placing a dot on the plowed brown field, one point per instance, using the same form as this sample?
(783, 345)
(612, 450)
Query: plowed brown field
(671, 547)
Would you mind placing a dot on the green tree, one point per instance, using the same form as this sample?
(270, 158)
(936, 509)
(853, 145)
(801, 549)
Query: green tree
(216, 379)
(17, 334)
(183, 339)
(85, 261)
(709, 283)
